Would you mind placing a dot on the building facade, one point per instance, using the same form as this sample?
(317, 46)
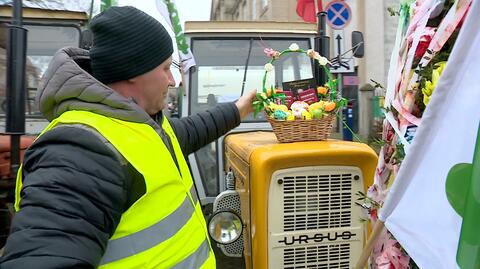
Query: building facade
(370, 17)
(254, 10)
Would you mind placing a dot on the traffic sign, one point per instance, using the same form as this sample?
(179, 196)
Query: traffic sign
(340, 64)
(339, 14)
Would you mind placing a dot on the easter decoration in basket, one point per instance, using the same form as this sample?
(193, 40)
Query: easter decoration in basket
(300, 114)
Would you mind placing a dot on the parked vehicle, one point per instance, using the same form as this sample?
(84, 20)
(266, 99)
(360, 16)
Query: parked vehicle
(47, 31)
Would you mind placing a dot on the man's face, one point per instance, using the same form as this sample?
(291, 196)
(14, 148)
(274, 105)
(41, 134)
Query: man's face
(152, 87)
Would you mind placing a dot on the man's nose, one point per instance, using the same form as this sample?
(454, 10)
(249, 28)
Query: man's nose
(171, 80)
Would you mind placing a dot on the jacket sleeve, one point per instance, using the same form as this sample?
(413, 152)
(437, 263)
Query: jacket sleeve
(198, 130)
(72, 198)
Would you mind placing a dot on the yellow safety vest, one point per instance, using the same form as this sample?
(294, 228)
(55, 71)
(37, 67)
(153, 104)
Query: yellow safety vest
(165, 228)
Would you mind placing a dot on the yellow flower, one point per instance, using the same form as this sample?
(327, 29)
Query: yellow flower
(426, 99)
(437, 72)
(306, 115)
(269, 92)
(317, 105)
(428, 90)
(282, 107)
(431, 85)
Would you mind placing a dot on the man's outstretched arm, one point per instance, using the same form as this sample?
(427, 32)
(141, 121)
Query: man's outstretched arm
(198, 130)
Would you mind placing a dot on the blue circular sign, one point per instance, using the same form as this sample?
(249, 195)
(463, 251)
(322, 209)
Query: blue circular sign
(339, 14)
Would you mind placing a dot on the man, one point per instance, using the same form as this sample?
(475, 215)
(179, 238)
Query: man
(106, 185)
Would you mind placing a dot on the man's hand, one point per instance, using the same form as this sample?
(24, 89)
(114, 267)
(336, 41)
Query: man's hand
(244, 104)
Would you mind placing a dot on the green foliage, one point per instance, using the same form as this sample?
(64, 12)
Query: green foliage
(366, 202)
(377, 85)
(341, 103)
(425, 72)
(393, 11)
(386, 109)
(378, 142)
(398, 154)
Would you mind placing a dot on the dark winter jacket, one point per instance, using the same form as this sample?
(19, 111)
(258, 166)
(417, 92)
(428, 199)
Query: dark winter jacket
(75, 184)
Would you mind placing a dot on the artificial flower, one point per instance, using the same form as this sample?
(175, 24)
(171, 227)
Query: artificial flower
(424, 41)
(315, 55)
(269, 92)
(377, 193)
(427, 92)
(373, 213)
(262, 96)
(269, 67)
(322, 60)
(431, 85)
(311, 53)
(272, 53)
(294, 47)
(392, 257)
(437, 72)
(322, 90)
(330, 106)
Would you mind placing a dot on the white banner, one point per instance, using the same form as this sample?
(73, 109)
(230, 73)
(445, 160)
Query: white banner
(417, 211)
(168, 10)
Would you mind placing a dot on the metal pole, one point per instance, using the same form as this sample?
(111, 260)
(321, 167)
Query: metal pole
(91, 11)
(16, 64)
(322, 45)
(367, 250)
(340, 112)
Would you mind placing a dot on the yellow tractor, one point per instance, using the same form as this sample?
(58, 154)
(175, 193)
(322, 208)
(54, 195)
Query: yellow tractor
(269, 204)
(292, 205)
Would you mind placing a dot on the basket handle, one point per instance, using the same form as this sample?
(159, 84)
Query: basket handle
(332, 83)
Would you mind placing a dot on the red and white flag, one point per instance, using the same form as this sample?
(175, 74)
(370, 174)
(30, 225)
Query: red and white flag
(306, 9)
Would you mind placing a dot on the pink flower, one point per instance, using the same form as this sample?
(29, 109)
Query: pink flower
(378, 247)
(373, 214)
(392, 256)
(377, 193)
(272, 53)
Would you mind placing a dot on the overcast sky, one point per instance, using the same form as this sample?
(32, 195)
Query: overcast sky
(188, 10)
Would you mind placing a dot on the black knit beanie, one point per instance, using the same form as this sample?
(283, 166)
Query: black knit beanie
(127, 43)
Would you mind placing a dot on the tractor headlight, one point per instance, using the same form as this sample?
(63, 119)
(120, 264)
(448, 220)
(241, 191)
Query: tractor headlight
(225, 227)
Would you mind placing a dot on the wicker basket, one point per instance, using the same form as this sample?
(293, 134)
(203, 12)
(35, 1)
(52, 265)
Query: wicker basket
(302, 130)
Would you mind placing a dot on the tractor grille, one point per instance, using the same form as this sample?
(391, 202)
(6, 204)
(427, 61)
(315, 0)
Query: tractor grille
(317, 202)
(313, 222)
(317, 257)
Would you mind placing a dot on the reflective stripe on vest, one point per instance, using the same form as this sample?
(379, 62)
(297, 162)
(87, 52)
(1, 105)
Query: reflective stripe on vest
(196, 259)
(150, 237)
(164, 228)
